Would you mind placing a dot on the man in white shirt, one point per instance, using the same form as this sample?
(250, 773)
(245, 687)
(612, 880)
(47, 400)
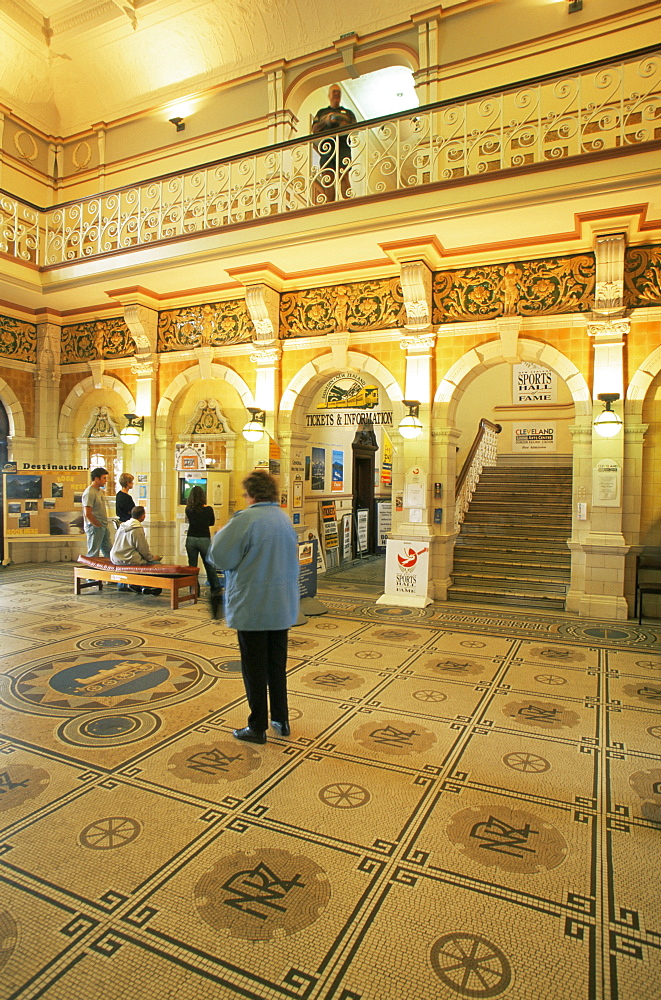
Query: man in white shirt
(131, 548)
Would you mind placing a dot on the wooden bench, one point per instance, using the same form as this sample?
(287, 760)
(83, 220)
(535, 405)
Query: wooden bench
(648, 581)
(94, 571)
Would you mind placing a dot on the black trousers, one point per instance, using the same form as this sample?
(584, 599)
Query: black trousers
(264, 667)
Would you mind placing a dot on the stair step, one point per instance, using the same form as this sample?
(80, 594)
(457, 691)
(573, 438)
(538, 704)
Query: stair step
(497, 582)
(506, 569)
(470, 595)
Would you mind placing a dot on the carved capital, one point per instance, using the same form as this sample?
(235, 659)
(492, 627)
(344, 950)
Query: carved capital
(145, 368)
(609, 328)
(263, 304)
(418, 344)
(268, 356)
(143, 326)
(416, 289)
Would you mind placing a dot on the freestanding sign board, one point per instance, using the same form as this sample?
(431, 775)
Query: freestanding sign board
(407, 573)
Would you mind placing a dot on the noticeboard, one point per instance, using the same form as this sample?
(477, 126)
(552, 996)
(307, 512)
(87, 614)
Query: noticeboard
(40, 502)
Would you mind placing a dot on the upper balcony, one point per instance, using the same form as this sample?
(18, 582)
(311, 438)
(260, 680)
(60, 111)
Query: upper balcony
(596, 112)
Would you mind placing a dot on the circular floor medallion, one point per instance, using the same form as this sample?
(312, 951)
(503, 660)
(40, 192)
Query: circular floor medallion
(263, 894)
(333, 680)
(20, 783)
(344, 795)
(123, 642)
(541, 714)
(96, 730)
(394, 737)
(470, 965)
(530, 763)
(8, 937)
(509, 839)
(109, 833)
(93, 681)
(214, 763)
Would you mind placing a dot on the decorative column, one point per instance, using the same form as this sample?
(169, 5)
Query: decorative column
(263, 304)
(603, 546)
(47, 385)
(412, 486)
(149, 456)
(282, 122)
(427, 78)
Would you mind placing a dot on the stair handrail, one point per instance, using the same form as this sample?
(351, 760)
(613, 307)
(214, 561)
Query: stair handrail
(483, 452)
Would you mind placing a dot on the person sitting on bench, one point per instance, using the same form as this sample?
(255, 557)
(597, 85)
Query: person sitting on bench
(130, 548)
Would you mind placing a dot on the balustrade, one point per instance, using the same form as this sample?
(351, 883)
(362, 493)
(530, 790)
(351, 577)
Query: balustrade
(602, 108)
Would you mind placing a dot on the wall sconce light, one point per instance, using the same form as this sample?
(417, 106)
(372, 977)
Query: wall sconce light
(131, 433)
(410, 426)
(179, 123)
(575, 6)
(254, 429)
(608, 423)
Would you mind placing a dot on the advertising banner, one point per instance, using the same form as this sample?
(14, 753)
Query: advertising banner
(383, 523)
(407, 573)
(533, 437)
(307, 574)
(533, 384)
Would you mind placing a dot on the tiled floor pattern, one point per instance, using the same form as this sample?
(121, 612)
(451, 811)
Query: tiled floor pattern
(469, 804)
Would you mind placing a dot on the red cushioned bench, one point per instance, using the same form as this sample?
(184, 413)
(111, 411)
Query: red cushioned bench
(94, 571)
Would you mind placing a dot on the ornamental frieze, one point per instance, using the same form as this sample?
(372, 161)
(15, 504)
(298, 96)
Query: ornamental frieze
(214, 324)
(642, 277)
(18, 340)
(520, 288)
(102, 338)
(365, 305)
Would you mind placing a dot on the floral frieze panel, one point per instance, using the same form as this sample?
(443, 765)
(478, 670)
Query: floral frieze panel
(521, 288)
(365, 305)
(18, 340)
(102, 338)
(215, 324)
(642, 276)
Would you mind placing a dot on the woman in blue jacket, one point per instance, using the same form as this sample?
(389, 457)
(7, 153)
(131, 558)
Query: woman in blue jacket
(258, 552)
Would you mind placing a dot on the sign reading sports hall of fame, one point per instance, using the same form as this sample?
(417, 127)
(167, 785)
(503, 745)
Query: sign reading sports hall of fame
(407, 573)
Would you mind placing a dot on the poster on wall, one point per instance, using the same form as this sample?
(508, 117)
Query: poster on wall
(337, 472)
(383, 523)
(532, 437)
(386, 461)
(533, 384)
(274, 458)
(362, 524)
(319, 469)
(44, 501)
(606, 483)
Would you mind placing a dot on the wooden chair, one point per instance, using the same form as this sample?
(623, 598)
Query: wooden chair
(648, 581)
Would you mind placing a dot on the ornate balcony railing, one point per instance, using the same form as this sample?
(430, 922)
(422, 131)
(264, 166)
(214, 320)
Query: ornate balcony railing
(601, 109)
(483, 452)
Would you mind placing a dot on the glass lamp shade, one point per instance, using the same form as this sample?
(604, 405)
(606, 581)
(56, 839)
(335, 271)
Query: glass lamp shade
(607, 423)
(129, 435)
(410, 426)
(253, 430)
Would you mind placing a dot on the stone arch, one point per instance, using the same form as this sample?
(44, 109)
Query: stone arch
(75, 398)
(303, 385)
(14, 410)
(640, 383)
(478, 359)
(184, 379)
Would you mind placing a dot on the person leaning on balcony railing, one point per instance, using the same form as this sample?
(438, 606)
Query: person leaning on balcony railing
(334, 151)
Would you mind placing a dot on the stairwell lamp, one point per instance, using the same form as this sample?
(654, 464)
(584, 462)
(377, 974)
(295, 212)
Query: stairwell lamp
(255, 428)
(608, 423)
(131, 433)
(410, 426)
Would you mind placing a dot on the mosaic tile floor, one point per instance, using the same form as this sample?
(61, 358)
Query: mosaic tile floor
(469, 804)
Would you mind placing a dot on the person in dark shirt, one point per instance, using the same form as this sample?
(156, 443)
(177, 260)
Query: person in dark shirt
(124, 502)
(200, 518)
(334, 151)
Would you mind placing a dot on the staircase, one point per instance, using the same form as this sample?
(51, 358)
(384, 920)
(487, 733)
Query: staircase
(512, 547)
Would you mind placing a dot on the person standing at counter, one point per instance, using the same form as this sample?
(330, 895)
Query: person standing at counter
(201, 518)
(258, 551)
